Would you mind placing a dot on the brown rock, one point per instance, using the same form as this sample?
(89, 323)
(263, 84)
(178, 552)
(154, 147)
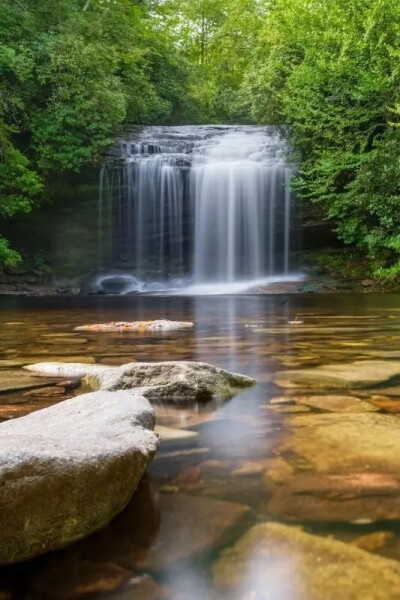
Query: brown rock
(275, 561)
(386, 404)
(280, 400)
(10, 364)
(374, 541)
(69, 384)
(334, 403)
(40, 356)
(188, 477)
(46, 392)
(77, 579)
(388, 391)
(249, 468)
(14, 380)
(343, 443)
(348, 468)
(190, 525)
(278, 470)
(355, 497)
(358, 374)
(289, 409)
(60, 341)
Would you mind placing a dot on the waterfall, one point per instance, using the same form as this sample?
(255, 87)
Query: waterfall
(242, 202)
(197, 205)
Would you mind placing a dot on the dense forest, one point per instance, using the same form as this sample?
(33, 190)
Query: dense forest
(74, 71)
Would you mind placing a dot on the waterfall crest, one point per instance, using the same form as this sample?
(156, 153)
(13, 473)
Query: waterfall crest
(197, 205)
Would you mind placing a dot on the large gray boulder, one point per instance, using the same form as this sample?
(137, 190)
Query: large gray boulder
(66, 471)
(174, 380)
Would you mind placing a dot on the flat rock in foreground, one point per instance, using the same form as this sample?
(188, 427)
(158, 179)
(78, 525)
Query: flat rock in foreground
(66, 471)
(278, 562)
(174, 380)
(137, 326)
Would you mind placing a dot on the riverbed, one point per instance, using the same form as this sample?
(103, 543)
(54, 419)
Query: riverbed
(222, 466)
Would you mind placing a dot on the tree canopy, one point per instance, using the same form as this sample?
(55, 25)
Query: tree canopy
(74, 71)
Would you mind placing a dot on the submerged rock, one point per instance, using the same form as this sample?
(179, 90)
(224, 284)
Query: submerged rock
(346, 467)
(333, 403)
(374, 541)
(353, 497)
(10, 364)
(358, 374)
(170, 434)
(67, 470)
(345, 443)
(386, 404)
(13, 380)
(139, 326)
(175, 380)
(77, 580)
(190, 525)
(276, 561)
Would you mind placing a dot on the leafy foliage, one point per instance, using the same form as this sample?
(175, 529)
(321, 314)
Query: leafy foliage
(331, 71)
(73, 71)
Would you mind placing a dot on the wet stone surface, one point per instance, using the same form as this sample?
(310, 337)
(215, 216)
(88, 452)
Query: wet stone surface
(314, 445)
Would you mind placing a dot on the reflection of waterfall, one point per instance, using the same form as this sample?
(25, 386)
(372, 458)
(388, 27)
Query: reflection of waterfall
(202, 204)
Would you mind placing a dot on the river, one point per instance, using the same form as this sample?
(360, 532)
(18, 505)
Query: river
(205, 490)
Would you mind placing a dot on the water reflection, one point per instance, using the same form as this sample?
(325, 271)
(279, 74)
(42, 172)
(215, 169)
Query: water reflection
(203, 492)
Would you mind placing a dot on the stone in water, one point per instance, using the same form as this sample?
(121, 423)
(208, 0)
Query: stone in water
(139, 326)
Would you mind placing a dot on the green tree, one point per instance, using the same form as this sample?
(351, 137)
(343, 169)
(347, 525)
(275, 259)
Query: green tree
(71, 73)
(331, 71)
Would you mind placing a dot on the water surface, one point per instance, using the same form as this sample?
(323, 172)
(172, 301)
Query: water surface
(201, 493)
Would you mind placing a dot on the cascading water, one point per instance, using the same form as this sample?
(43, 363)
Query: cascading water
(196, 206)
(242, 205)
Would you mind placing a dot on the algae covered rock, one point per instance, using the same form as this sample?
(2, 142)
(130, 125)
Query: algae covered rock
(273, 561)
(66, 471)
(174, 380)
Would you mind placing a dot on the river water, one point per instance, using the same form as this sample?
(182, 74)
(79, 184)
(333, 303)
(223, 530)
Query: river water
(205, 490)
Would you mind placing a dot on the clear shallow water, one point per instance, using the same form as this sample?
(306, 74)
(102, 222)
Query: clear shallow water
(165, 543)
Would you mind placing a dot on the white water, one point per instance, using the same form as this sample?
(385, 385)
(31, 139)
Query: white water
(240, 187)
(203, 208)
